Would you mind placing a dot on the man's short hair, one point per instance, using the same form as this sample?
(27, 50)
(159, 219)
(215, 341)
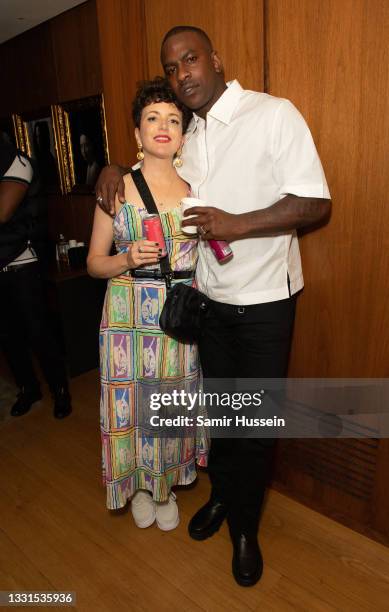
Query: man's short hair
(188, 28)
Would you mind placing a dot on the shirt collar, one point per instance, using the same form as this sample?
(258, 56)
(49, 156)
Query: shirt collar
(224, 107)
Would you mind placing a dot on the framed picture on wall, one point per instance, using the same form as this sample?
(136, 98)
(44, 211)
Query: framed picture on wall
(82, 134)
(35, 136)
(7, 130)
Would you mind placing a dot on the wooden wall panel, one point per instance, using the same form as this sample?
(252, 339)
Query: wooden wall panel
(27, 71)
(130, 37)
(235, 28)
(122, 45)
(76, 51)
(72, 216)
(10, 78)
(55, 61)
(331, 59)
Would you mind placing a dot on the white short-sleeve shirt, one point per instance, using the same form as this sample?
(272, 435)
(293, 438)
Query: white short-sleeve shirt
(252, 150)
(20, 171)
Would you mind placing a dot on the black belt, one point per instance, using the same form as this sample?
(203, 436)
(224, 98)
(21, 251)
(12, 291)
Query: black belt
(157, 274)
(18, 267)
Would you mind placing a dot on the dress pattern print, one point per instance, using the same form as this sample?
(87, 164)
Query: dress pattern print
(135, 358)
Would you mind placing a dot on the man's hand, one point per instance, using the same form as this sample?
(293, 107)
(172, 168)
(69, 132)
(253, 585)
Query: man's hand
(290, 213)
(214, 223)
(109, 183)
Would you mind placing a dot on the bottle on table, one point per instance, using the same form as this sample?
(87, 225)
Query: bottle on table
(62, 250)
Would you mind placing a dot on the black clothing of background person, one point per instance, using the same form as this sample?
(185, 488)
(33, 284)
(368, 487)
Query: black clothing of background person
(25, 323)
(28, 222)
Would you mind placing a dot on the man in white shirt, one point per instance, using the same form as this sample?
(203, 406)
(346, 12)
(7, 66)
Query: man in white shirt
(251, 157)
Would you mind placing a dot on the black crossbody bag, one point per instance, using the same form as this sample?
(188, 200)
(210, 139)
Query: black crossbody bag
(185, 307)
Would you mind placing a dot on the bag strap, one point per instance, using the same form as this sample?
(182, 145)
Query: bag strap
(144, 191)
(151, 207)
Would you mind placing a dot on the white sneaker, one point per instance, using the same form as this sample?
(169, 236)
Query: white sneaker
(167, 513)
(143, 509)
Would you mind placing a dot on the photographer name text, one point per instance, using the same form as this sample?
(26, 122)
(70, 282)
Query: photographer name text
(200, 420)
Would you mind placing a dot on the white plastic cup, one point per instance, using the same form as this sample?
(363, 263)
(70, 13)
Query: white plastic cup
(189, 203)
(72, 244)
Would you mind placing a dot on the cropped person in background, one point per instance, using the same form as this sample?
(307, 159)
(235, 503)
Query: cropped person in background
(24, 317)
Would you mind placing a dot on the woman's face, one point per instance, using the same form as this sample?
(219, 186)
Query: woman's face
(160, 131)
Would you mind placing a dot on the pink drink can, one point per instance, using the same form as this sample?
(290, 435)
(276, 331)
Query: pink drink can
(153, 231)
(221, 249)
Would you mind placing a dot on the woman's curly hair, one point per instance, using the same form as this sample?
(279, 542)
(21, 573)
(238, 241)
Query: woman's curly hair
(157, 90)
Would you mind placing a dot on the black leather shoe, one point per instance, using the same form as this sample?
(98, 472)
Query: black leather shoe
(247, 563)
(62, 403)
(207, 520)
(26, 398)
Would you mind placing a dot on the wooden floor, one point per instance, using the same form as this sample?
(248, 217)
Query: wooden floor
(55, 534)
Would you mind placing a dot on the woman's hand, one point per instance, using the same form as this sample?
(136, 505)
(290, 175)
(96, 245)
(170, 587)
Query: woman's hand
(143, 253)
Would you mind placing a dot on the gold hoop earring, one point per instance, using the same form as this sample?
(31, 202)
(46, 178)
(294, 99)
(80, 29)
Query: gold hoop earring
(178, 161)
(140, 155)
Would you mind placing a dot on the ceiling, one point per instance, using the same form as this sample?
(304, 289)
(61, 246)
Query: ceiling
(17, 16)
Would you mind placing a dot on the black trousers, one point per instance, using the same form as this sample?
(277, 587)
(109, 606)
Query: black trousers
(25, 324)
(244, 342)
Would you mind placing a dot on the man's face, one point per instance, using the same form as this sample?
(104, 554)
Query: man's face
(193, 70)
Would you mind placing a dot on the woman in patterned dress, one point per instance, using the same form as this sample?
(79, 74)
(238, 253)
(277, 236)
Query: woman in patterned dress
(136, 357)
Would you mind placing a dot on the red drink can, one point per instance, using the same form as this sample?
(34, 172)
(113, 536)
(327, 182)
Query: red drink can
(153, 231)
(221, 249)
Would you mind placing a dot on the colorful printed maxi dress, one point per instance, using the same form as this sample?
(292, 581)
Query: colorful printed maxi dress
(135, 355)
